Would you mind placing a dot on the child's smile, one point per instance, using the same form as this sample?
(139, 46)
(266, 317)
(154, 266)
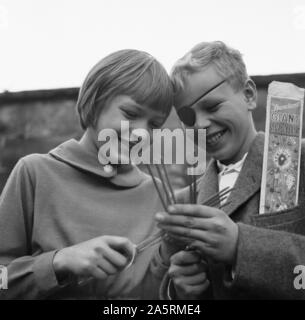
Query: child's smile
(212, 139)
(224, 112)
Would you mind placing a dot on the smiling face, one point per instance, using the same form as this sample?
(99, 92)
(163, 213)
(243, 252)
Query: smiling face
(124, 108)
(224, 112)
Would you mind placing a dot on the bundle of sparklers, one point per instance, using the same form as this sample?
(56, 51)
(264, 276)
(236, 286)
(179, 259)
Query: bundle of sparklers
(167, 197)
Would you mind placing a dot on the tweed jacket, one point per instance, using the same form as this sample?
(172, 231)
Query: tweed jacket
(270, 246)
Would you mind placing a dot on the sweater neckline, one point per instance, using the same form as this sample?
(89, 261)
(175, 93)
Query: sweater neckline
(74, 154)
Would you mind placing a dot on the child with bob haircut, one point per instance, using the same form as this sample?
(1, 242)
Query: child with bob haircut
(68, 224)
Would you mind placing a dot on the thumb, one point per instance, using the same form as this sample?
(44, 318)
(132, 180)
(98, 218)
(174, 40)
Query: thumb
(122, 245)
(200, 248)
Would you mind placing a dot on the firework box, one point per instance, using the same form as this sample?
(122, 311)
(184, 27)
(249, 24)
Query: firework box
(282, 150)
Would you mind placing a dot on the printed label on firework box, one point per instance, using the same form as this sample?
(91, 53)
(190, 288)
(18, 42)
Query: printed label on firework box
(282, 150)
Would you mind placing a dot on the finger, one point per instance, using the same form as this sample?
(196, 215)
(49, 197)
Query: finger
(182, 242)
(114, 257)
(196, 279)
(122, 245)
(201, 235)
(195, 210)
(99, 274)
(204, 248)
(193, 291)
(185, 258)
(107, 266)
(175, 271)
(184, 221)
(119, 251)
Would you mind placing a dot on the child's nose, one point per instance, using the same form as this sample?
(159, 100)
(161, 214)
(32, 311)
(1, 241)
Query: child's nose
(202, 121)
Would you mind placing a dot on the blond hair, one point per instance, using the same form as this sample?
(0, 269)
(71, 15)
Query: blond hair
(227, 61)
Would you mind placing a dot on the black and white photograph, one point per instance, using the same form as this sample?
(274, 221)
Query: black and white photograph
(152, 151)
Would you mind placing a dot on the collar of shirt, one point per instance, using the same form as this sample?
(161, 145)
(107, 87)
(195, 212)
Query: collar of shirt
(233, 167)
(228, 175)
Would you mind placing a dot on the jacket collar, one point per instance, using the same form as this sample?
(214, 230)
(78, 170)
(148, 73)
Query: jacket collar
(74, 154)
(247, 183)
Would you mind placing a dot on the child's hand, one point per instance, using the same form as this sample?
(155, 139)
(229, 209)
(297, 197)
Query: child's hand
(188, 273)
(97, 258)
(172, 244)
(213, 233)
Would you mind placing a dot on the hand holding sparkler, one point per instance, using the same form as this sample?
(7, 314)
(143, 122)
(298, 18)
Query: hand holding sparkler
(176, 240)
(209, 229)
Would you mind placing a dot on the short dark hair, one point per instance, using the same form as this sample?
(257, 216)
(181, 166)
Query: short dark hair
(125, 72)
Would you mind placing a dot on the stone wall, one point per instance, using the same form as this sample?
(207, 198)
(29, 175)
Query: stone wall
(33, 125)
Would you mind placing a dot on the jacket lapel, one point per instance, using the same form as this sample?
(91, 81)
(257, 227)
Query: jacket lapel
(209, 183)
(249, 179)
(247, 183)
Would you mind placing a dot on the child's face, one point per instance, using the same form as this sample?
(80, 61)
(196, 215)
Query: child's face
(224, 113)
(124, 108)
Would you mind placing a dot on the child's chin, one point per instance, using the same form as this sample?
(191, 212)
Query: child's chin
(221, 155)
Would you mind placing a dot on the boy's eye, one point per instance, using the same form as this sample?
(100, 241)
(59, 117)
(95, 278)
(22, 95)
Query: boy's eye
(215, 107)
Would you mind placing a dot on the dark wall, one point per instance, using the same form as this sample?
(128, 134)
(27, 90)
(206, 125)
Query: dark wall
(33, 125)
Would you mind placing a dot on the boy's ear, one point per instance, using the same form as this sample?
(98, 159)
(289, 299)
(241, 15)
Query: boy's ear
(250, 94)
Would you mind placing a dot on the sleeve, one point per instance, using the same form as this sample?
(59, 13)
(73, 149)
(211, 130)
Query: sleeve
(167, 288)
(266, 262)
(153, 278)
(29, 277)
